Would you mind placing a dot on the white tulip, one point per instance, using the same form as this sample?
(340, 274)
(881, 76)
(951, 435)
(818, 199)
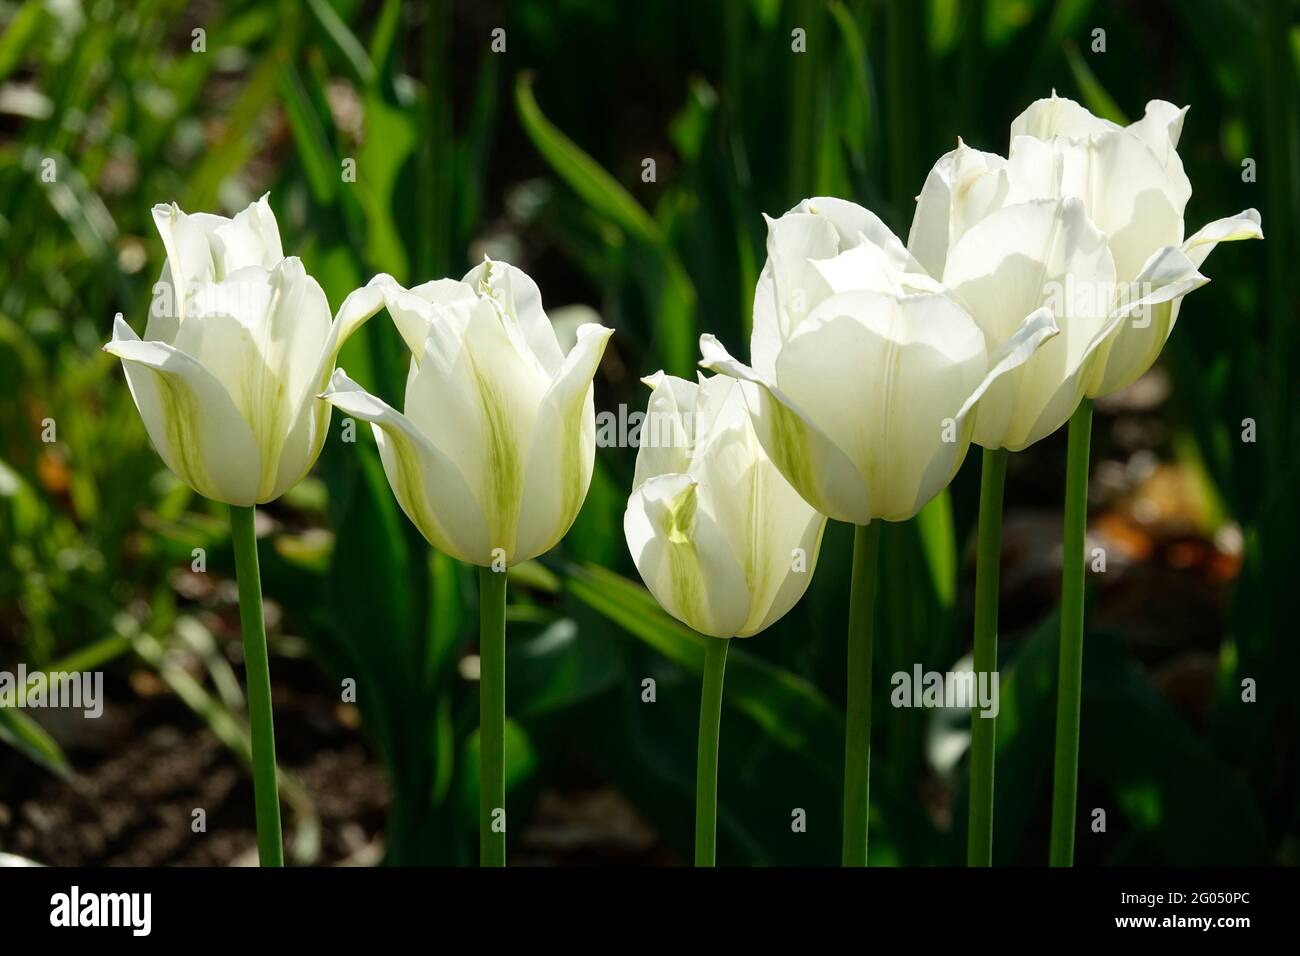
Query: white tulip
(724, 543)
(239, 342)
(1133, 189)
(1085, 219)
(866, 371)
(493, 456)
(1003, 258)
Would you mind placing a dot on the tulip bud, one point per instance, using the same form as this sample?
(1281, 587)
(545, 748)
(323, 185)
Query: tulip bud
(724, 543)
(238, 344)
(867, 370)
(494, 453)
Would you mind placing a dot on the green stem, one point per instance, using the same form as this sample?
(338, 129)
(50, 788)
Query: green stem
(706, 759)
(983, 728)
(857, 730)
(1069, 686)
(492, 717)
(257, 676)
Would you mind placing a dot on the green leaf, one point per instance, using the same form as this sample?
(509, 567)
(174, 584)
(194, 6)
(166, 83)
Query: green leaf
(30, 739)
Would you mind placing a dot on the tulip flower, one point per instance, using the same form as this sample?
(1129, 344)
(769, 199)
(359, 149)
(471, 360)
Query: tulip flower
(491, 458)
(1133, 187)
(865, 380)
(1084, 216)
(720, 538)
(238, 342)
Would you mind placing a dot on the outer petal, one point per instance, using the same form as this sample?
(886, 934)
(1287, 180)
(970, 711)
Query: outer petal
(414, 311)
(854, 224)
(262, 334)
(789, 286)
(477, 398)
(1036, 329)
(427, 484)
(883, 376)
(1058, 116)
(761, 515)
(1124, 187)
(808, 458)
(311, 416)
(964, 186)
(1160, 129)
(684, 558)
(190, 418)
(563, 450)
(1149, 317)
(1012, 263)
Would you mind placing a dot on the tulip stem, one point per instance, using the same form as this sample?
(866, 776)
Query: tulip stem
(492, 717)
(857, 730)
(983, 727)
(257, 676)
(706, 759)
(1069, 685)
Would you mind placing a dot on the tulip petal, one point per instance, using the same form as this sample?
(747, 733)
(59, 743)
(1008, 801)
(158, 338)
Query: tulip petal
(1015, 261)
(668, 432)
(1058, 116)
(428, 485)
(190, 417)
(758, 511)
(516, 292)
(261, 333)
(476, 398)
(821, 471)
(415, 310)
(1124, 188)
(563, 449)
(1152, 311)
(684, 558)
(964, 186)
(1037, 328)
(883, 376)
(853, 224)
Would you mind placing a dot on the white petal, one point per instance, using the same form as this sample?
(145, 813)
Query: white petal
(684, 558)
(821, 471)
(476, 397)
(1150, 316)
(1125, 191)
(667, 433)
(1017, 260)
(882, 377)
(189, 257)
(1160, 129)
(262, 335)
(758, 511)
(519, 296)
(251, 238)
(427, 484)
(563, 449)
(1058, 116)
(853, 224)
(190, 418)
(964, 186)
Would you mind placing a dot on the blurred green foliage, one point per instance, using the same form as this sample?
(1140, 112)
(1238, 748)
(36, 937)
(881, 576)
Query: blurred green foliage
(537, 154)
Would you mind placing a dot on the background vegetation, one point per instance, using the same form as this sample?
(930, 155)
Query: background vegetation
(536, 155)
